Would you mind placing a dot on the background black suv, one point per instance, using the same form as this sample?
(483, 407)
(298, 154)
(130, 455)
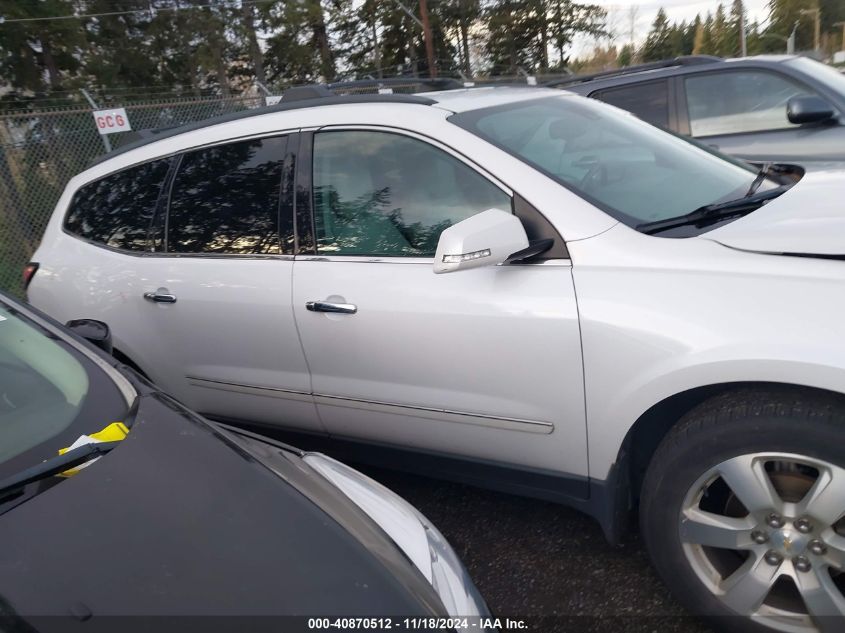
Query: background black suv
(766, 108)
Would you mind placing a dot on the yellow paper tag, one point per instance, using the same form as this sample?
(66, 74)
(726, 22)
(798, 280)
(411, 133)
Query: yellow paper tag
(114, 432)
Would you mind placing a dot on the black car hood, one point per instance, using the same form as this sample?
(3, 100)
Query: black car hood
(178, 520)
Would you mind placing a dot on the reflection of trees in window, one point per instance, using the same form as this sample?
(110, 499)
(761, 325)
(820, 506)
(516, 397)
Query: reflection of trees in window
(117, 210)
(225, 199)
(367, 225)
(357, 225)
(377, 193)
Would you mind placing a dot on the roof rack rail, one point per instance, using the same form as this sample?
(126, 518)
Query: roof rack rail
(684, 60)
(436, 83)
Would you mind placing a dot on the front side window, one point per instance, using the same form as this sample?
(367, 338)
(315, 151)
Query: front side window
(831, 77)
(631, 170)
(649, 101)
(117, 210)
(741, 101)
(225, 199)
(377, 193)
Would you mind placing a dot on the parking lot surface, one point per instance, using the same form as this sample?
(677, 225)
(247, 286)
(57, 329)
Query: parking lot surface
(544, 562)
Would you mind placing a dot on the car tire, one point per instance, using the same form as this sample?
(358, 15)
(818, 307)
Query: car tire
(717, 460)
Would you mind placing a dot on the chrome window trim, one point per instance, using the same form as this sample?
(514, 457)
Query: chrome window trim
(162, 254)
(426, 261)
(366, 259)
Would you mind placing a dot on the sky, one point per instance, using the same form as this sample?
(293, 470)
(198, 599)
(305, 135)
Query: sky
(619, 16)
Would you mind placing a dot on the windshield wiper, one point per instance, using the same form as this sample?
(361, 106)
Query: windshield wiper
(761, 177)
(55, 465)
(714, 212)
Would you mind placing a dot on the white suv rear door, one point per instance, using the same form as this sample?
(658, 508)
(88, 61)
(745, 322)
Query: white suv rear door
(484, 363)
(215, 301)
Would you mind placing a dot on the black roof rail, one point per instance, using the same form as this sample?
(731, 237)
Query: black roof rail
(310, 91)
(302, 99)
(684, 60)
(436, 83)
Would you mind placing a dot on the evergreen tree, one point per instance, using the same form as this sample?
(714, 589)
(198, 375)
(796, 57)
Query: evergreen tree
(626, 56)
(658, 44)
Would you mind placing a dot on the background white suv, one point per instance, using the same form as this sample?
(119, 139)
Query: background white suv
(628, 320)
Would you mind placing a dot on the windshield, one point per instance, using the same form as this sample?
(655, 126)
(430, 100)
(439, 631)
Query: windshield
(49, 394)
(828, 75)
(630, 169)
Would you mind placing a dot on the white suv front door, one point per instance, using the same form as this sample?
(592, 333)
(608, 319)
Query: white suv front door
(484, 363)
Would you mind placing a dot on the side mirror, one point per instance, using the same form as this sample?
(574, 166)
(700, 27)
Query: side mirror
(809, 109)
(95, 332)
(485, 239)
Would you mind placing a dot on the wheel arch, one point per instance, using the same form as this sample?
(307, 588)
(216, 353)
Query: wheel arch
(644, 436)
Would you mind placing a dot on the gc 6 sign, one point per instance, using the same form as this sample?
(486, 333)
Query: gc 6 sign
(109, 121)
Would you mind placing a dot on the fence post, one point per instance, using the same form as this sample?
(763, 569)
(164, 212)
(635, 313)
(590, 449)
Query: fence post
(14, 249)
(105, 137)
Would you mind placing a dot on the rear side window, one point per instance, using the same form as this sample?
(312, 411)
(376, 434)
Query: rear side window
(225, 199)
(649, 101)
(117, 210)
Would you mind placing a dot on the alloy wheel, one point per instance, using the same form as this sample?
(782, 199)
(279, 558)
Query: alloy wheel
(765, 534)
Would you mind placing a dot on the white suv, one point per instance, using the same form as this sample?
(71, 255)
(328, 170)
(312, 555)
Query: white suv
(629, 321)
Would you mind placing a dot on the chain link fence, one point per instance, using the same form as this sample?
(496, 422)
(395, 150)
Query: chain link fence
(41, 150)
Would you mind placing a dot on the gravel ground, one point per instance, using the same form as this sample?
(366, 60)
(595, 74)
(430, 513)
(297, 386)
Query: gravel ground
(543, 562)
(539, 561)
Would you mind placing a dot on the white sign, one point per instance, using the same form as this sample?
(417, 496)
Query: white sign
(108, 121)
(839, 57)
(272, 100)
(385, 91)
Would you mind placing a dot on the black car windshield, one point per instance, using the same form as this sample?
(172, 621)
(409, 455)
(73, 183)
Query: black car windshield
(630, 169)
(50, 394)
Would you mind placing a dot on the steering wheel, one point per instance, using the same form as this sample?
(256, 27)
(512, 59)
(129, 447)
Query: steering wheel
(596, 176)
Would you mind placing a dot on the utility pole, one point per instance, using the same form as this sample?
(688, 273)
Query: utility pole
(842, 24)
(818, 22)
(429, 43)
(743, 43)
(376, 48)
(425, 25)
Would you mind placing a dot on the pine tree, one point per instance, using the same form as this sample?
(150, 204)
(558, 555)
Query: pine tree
(658, 44)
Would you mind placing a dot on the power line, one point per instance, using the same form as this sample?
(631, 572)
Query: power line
(149, 11)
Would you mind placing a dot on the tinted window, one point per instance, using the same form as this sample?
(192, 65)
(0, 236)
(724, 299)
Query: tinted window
(630, 169)
(648, 101)
(732, 102)
(225, 199)
(377, 193)
(117, 210)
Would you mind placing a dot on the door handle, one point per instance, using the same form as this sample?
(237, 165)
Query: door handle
(325, 306)
(160, 296)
